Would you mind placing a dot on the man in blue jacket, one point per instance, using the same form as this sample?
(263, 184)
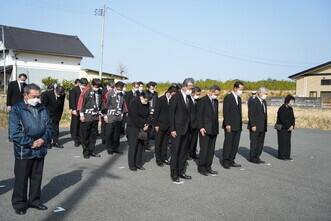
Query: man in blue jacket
(31, 131)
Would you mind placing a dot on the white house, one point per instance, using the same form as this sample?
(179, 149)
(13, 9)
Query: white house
(40, 54)
(90, 74)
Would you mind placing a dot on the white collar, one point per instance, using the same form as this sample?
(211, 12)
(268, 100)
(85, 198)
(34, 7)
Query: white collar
(235, 95)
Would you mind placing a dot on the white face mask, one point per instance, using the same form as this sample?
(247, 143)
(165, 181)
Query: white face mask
(188, 92)
(290, 104)
(213, 96)
(238, 93)
(196, 97)
(264, 97)
(95, 89)
(58, 95)
(143, 101)
(152, 91)
(124, 88)
(135, 89)
(33, 102)
(141, 89)
(22, 82)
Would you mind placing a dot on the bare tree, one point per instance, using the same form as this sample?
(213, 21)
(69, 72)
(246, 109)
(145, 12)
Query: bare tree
(122, 69)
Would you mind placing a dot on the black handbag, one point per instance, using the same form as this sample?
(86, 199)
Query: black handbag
(278, 126)
(142, 135)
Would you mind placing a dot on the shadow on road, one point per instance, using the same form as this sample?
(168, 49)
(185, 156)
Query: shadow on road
(244, 151)
(85, 187)
(59, 183)
(271, 151)
(219, 154)
(8, 185)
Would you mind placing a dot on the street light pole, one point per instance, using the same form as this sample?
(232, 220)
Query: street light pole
(4, 60)
(103, 13)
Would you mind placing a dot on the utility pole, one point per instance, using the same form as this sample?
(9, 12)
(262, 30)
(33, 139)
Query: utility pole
(101, 12)
(4, 60)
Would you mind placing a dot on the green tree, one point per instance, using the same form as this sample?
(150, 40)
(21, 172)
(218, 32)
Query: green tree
(48, 81)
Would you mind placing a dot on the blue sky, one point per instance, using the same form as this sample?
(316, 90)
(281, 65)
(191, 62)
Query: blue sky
(215, 39)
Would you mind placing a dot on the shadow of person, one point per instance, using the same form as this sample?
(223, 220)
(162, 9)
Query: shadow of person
(100, 148)
(147, 157)
(59, 183)
(65, 140)
(8, 185)
(219, 154)
(271, 151)
(64, 133)
(244, 151)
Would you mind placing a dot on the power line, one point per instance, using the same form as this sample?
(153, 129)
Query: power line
(200, 47)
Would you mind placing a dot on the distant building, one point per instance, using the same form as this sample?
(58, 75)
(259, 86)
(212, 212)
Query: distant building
(40, 54)
(90, 74)
(314, 82)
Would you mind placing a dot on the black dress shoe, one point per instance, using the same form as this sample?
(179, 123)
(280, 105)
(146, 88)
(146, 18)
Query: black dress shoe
(254, 161)
(95, 154)
(212, 172)
(166, 162)
(133, 168)
(204, 173)
(140, 168)
(189, 158)
(226, 166)
(49, 146)
(195, 157)
(281, 158)
(184, 176)
(57, 145)
(39, 207)
(20, 211)
(87, 156)
(160, 164)
(110, 152)
(175, 179)
(77, 144)
(261, 161)
(235, 165)
(289, 158)
(118, 152)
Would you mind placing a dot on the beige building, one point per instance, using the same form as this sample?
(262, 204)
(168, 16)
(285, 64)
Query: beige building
(314, 82)
(90, 74)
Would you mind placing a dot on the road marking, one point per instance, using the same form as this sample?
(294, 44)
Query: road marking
(312, 157)
(121, 167)
(76, 156)
(214, 175)
(59, 209)
(268, 164)
(2, 186)
(242, 169)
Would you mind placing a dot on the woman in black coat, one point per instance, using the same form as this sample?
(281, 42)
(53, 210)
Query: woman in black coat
(138, 120)
(285, 117)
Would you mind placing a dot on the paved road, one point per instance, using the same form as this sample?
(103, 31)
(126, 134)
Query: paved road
(105, 189)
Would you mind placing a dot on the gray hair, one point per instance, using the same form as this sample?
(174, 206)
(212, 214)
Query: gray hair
(215, 88)
(59, 89)
(30, 87)
(262, 89)
(188, 82)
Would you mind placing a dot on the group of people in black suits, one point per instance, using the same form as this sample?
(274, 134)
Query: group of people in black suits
(179, 118)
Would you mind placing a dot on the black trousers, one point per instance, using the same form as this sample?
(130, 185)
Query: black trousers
(75, 129)
(179, 155)
(135, 147)
(207, 151)
(193, 141)
(113, 135)
(256, 145)
(230, 146)
(89, 132)
(284, 143)
(25, 170)
(161, 145)
(103, 130)
(56, 131)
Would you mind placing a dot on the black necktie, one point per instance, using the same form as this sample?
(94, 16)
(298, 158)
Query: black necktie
(22, 87)
(188, 101)
(213, 104)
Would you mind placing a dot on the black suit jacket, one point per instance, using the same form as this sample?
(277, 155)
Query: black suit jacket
(232, 113)
(74, 94)
(129, 96)
(138, 114)
(179, 114)
(14, 95)
(256, 115)
(161, 114)
(54, 106)
(207, 116)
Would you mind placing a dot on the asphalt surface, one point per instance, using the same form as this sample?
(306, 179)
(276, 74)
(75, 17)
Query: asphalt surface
(105, 189)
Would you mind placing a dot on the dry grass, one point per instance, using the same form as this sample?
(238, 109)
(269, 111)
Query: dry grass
(305, 118)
